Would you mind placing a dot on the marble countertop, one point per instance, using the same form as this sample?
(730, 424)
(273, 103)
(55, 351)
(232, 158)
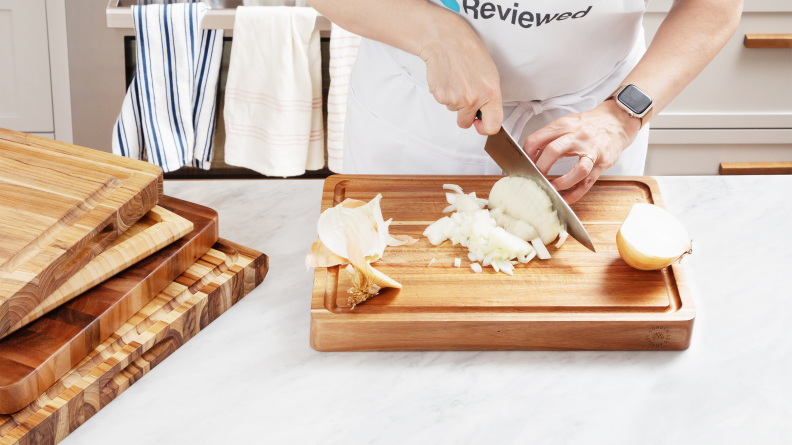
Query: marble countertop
(252, 377)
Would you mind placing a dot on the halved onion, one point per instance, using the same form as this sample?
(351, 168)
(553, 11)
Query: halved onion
(651, 238)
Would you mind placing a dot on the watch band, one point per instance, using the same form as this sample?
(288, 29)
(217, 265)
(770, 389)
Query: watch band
(647, 116)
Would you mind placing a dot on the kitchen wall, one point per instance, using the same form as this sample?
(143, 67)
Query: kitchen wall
(96, 68)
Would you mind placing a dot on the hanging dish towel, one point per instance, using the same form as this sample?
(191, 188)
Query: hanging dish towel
(273, 98)
(169, 110)
(343, 52)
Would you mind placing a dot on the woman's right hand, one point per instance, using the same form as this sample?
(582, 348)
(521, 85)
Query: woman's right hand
(462, 75)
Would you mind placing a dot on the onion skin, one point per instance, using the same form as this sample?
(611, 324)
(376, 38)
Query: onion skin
(638, 260)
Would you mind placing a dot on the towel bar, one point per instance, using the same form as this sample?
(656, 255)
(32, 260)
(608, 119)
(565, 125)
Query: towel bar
(121, 17)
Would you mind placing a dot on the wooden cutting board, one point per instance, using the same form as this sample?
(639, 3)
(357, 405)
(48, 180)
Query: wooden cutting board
(60, 206)
(158, 228)
(577, 300)
(166, 323)
(36, 356)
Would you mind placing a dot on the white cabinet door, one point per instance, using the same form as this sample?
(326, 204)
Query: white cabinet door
(25, 92)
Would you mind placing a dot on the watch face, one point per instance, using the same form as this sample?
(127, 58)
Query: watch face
(635, 99)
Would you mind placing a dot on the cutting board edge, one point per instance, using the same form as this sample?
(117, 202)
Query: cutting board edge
(329, 335)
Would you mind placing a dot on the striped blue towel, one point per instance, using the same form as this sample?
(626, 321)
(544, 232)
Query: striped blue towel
(169, 110)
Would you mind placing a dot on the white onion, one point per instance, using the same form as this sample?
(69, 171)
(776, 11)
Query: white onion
(430, 262)
(651, 238)
(476, 267)
(365, 223)
(523, 199)
(486, 242)
(457, 262)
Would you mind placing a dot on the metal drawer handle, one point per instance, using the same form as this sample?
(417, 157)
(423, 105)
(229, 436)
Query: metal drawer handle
(768, 41)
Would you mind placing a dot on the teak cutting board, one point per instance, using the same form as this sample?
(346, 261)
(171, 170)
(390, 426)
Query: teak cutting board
(60, 206)
(36, 356)
(577, 300)
(167, 322)
(155, 230)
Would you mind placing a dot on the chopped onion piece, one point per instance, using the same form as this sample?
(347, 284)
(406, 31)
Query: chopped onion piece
(540, 248)
(467, 203)
(457, 262)
(530, 256)
(430, 262)
(476, 267)
(561, 238)
(453, 187)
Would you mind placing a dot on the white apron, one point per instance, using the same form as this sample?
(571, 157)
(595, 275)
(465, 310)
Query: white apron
(548, 68)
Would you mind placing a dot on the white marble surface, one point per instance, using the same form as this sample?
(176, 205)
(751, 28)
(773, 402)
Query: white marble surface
(251, 376)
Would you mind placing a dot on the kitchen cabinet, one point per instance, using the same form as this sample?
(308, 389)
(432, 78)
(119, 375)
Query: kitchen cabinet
(34, 81)
(738, 109)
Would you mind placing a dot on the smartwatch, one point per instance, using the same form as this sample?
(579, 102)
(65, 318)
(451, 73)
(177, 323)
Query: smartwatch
(635, 102)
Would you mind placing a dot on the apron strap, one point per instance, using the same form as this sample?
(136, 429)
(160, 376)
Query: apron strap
(524, 111)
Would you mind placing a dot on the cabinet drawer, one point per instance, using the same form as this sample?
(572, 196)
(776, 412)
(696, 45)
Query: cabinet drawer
(700, 151)
(742, 87)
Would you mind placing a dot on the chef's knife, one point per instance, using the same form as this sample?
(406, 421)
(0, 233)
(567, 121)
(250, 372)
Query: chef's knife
(512, 159)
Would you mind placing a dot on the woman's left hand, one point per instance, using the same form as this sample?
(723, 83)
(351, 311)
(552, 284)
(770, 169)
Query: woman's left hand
(602, 133)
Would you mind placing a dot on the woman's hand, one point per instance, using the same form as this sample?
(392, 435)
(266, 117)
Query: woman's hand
(602, 133)
(459, 70)
(463, 77)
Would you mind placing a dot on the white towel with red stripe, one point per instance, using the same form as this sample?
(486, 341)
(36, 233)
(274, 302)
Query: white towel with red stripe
(343, 52)
(273, 97)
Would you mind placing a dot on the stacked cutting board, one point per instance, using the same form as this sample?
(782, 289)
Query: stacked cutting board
(101, 278)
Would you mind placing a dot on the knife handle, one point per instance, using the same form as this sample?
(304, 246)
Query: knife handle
(478, 115)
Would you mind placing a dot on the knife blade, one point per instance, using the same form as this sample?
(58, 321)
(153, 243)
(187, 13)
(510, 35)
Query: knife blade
(509, 156)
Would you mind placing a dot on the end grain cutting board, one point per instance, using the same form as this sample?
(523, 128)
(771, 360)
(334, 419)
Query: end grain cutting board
(177, 314)
(36, 356)
(60, 206)
(577, 300)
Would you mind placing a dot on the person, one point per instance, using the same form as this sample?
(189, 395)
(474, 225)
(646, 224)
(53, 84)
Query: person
(543, 69)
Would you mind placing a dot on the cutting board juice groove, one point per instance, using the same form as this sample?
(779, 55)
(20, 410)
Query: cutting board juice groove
(60, 206)
(576, 300)
(133, 350)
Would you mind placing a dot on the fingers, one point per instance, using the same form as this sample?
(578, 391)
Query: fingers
(582, 169)
(583, 186)
(466, 105)
(491, 116)
(466, 116)
(539, 140)
(566, 145)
